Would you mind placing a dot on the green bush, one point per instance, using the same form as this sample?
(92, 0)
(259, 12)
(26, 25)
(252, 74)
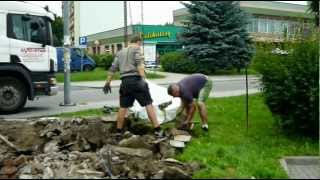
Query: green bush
(177, 62)
(103, 60)
(291, 85)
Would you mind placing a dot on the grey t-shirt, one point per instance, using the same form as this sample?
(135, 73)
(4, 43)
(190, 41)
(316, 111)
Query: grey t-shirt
(127, 61)
(191, 86)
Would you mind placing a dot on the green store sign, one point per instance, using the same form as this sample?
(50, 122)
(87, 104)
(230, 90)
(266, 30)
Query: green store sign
(152, 35)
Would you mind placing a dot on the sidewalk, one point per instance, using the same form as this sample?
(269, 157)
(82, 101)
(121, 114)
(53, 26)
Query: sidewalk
(169, 79)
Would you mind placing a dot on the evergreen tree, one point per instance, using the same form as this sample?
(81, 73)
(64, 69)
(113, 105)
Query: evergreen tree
(57, 31)
(314, 8)
(215, 36)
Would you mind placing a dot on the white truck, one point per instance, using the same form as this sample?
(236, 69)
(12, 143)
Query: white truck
(28, 59)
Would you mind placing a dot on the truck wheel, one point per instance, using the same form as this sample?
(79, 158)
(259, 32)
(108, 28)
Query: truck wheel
(13, 95)
(87, 68)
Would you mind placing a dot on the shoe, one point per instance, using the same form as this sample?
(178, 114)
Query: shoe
(117, 137)
(191, 126)
(205, 127)
(159, 134)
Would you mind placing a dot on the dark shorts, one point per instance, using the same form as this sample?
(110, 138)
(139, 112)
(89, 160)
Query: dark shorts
(134, 88)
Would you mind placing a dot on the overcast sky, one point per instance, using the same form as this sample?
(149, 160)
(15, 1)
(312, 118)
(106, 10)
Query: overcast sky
(155, 12)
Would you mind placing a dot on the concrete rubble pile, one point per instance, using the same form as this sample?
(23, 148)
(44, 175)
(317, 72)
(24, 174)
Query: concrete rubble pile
(85, 148)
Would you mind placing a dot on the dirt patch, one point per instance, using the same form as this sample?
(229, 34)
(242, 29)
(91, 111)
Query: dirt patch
(86, 148)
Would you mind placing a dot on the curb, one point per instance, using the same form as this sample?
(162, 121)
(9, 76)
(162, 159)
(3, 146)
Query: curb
(164, 84)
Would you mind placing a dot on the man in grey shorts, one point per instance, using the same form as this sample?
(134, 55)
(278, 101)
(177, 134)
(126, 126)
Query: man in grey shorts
(133, 86)
(198, 87)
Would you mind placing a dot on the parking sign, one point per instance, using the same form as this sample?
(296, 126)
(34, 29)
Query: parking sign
(83, 42)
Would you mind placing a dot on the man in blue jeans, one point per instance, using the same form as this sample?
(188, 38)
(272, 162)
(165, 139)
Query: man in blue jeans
(193, 90)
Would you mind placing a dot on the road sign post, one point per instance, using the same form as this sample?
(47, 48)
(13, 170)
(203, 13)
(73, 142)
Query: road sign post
(82, 44)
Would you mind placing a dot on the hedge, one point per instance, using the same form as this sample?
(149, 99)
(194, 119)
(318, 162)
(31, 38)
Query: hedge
(291, 85)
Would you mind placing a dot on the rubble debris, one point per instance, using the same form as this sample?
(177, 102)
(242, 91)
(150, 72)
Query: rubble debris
(177, 144)
(84, 148)
(183, 138)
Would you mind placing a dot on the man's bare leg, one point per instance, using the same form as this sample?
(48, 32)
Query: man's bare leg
(152, 115)
(203, 113)
(121, 117)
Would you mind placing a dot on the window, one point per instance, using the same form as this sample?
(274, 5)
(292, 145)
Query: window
(262, 25)
(255, 25)
(17, 28)
(270, 26)
(29, 28)
(119, 47)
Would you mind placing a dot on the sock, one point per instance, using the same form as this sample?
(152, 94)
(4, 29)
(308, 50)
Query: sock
(205, 126)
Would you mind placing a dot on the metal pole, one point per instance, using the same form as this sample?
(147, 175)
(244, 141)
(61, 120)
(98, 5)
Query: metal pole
(142, 29)
(125, 24)
(247, 98)
(81, 68)
(67, 96)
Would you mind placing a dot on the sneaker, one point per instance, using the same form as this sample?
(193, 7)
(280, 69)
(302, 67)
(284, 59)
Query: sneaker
(159, 134)
(205, 127)
(191, 126)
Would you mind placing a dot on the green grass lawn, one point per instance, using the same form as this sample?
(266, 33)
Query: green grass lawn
(229, 151)
(99, 74)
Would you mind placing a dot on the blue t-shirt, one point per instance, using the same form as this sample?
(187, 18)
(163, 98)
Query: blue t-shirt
(191, 86)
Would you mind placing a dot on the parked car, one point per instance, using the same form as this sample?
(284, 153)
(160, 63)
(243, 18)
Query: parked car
(88, 64)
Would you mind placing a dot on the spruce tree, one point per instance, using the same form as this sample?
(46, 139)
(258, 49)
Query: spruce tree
(215, 36)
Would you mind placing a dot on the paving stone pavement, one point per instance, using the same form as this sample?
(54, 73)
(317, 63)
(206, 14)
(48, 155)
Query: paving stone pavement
(302, 167)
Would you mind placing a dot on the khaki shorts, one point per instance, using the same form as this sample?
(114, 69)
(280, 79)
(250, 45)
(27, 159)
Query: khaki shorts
(205, 92)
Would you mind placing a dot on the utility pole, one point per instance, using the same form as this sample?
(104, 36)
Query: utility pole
(247, 97)
(142, 29)
(125, 24)
(67, 85)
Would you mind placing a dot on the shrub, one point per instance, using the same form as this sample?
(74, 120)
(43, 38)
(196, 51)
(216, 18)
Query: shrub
(291, 85)
(177, 62)
(103, 60)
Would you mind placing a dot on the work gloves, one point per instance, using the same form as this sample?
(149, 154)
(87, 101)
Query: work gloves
(107, 88)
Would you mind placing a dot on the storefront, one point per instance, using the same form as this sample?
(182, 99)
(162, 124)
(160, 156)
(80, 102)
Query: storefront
(158, 40)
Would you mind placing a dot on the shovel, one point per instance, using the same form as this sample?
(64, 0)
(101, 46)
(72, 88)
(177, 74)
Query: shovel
(18, 151)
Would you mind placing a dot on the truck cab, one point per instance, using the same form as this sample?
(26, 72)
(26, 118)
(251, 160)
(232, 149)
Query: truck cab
(77, 60)
(28, 59)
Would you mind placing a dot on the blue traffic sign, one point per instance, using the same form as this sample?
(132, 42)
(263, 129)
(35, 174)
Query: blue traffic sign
(83, 40)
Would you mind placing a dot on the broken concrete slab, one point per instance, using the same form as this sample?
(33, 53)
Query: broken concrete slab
(175, 173)
(136, 141)
(175, 132)
(143, 153)
(51, 146)
(88, 172)
(54, 142)
(177, 144)
(174, 161)
(183, 138)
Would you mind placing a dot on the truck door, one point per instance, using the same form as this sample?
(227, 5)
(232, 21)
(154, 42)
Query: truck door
(4, 42)
(28, 39)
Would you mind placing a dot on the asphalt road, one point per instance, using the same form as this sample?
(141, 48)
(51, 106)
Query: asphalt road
(88, 98)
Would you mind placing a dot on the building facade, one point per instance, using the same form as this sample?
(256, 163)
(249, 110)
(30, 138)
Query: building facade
(88, 17)
(162, 37)
(269, 20)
